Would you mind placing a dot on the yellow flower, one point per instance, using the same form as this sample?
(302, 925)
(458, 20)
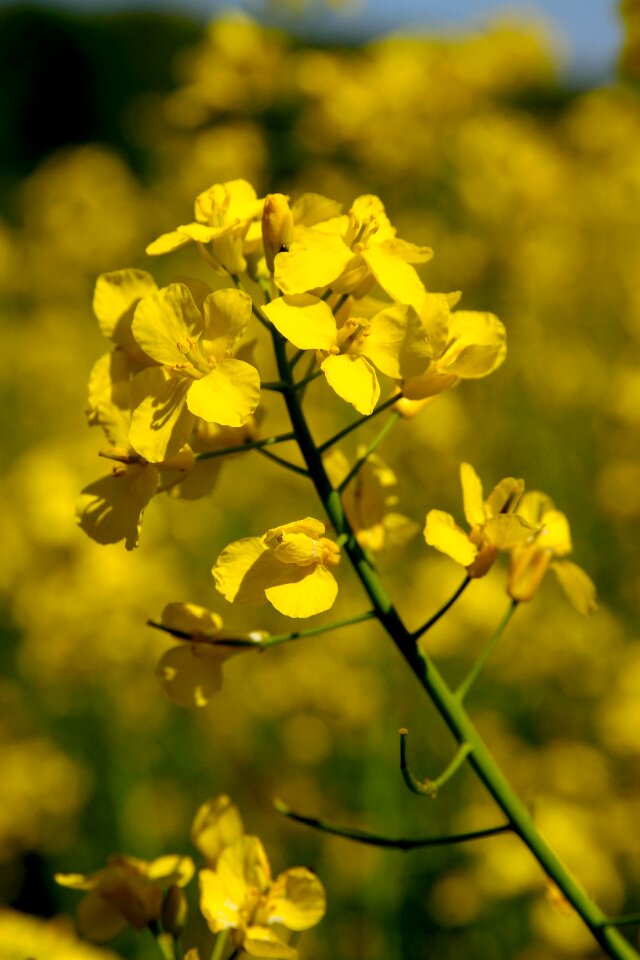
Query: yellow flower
(227, 218)
(277, 227)
(127, 892)
(238, 892)
(367, 500)
(351, 254)
(531, 560)
(198, 376)
(467, 344)
(110, 509)
(289, 566)
(192, 672)
(22, 936)
(494, 525)
(393, 340)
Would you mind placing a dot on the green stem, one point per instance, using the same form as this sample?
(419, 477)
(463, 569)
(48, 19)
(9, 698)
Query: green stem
(272, 385)
(360, 462)
(308, 379)
(441, 612)
(633, 918)
(476, 669)
(312, 631)
(395, 843)
(297, 356)
(282, 462)
(426, 787)
(446, 702)
(220, 944)
(358, 423)
(163, 941)
(249, 445)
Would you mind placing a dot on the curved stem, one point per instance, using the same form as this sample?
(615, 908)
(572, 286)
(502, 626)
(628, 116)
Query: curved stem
(219, 945)
(358, 423)
(313, 631)
(443, 609)
(426, 787)
(249, 445)
(395, 843)
(448, 705)
(360, 462)
(282, 462)
(476, 669)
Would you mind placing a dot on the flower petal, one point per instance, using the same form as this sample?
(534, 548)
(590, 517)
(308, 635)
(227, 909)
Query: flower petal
(442, 532)
(397, 343)
(166, 320)
(396, 277)
(191, 618)
(297, 899)
(167, 242)
(98, 920)
(110, 509)
(114, 300)
(307, 591)
(305, 321)
(314, 260)
(239, 575)
(227, 395)
(507, 530)
(160, 421)
(472, 496)
(218, 909)
(226, 315)
(264, 942)
(555, 534)
(216, 825)
(191, 674)
(577, 585)
(354, 379)
(478, 344)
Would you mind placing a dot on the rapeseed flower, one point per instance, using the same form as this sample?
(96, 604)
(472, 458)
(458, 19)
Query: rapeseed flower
(192, 672)
(290, 566)
(494, 524)
(127, 892)
(368, 501)
(351, 253)
(198, 376)
(239, 893)
(550, 538)
(393, 340)
(467, 345)
(227, 219)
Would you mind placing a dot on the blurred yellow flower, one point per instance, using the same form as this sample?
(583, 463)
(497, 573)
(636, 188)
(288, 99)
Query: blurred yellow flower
(494, 524)
(392, 340)
(467, 344)
(127, 892)
(551, 538)
(238, 892)
(289, 566)
(368, 501)
(226, 215)
(22, 935)
(198, 376)
(191, 673)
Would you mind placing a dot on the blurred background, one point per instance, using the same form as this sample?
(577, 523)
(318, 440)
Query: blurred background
(509, 142)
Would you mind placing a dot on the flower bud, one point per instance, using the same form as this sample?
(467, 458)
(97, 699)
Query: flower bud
(174, 911)
(277, 227)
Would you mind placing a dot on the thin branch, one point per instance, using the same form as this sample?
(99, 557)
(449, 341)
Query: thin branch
(441, 612)
(313, 631)
(273, 385)
(396, 843)
(360, 462)
(297, 356)
(302, 471)
(426, 787)
(632, 918)
(255, 309)
(358, 423)
(476, 669)
(308, 379)
(249, 445)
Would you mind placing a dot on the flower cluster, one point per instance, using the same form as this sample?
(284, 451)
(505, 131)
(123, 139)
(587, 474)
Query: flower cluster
(238, 892)
(179, 384)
